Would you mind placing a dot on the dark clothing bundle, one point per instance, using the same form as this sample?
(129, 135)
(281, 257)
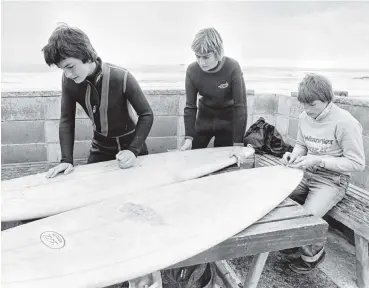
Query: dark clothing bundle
(196, 276)
(265, 139)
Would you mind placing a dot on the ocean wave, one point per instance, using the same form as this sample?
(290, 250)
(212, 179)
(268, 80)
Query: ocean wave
(361, 78)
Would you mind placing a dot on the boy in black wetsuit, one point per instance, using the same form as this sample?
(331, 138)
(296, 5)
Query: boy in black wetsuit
(222, 105)
(106, 93)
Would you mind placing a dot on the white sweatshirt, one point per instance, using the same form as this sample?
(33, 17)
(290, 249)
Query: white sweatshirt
(336, 135)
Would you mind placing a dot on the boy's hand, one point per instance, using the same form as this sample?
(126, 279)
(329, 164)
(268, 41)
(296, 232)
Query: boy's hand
(306, 161)
(289, 158)
(238, 153)
(125, 158)
(187, 145)
(66, 167)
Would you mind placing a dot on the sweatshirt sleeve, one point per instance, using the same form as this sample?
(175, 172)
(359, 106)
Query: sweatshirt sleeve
(190, 109)
(350, 139)
(67, 123)
(300, 146)
(142, 107)
(240, 106)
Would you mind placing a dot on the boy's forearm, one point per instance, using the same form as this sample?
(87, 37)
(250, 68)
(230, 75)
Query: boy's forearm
(240, 107)
(189, 121)
(190, 109)
(142, 130)
(239, 124)
(343, 164)
(139, 103)
(67, 123)
(66, 139)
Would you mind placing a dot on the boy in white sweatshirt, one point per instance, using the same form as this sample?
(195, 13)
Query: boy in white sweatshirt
(329, 147)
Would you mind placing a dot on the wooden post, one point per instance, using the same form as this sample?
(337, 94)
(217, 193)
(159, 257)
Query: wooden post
(362, 261)
(255, 271)
(224, 272)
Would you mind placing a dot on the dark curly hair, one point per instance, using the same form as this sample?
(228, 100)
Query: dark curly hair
(66, 42)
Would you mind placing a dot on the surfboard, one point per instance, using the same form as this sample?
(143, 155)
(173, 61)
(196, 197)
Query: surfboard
(134, 234)
(35, 196)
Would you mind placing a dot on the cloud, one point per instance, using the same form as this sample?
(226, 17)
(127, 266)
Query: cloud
(273, 33)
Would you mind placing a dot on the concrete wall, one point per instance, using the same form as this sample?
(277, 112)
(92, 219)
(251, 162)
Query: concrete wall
(30, 120)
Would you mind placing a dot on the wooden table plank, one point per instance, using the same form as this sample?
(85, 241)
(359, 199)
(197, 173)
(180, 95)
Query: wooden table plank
(265, 237)
(284, 213)
(303, 223)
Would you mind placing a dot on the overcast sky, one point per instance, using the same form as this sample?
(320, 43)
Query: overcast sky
(305, 34)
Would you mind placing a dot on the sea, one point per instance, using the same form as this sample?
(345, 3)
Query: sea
(279, 80)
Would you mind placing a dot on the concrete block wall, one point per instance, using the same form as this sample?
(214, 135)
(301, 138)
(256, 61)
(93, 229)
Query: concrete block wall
(30, 121)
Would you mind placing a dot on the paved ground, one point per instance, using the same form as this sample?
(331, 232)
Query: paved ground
(338, 269)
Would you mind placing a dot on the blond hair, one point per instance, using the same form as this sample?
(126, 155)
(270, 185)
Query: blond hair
(206, 41)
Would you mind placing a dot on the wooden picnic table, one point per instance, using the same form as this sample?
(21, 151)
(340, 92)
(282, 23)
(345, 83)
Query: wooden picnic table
(288, 225)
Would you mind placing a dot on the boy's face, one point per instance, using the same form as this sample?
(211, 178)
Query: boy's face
(75, 69)
(207, 61)
(314, 108)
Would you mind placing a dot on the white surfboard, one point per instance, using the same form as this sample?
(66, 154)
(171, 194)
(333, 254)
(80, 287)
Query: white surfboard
(138, 233)
(35, 196)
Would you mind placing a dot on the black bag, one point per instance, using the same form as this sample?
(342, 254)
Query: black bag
(265, 139)
(196, 276)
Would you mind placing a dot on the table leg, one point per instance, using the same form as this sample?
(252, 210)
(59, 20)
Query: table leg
(255, 271)
(362, 262)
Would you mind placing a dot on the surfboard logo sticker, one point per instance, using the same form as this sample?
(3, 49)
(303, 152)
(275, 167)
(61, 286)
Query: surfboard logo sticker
(52, 239)
(138, 212)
